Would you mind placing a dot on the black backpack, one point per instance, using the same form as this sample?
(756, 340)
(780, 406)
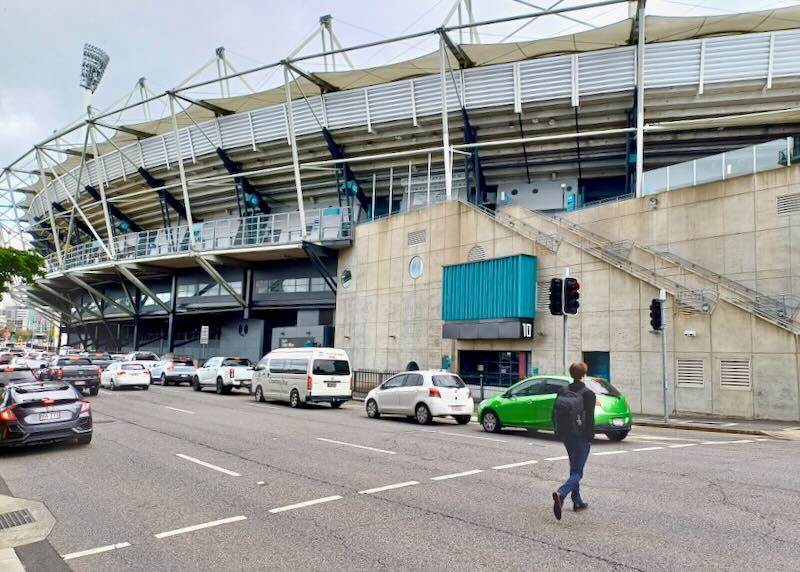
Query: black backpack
(569, 414)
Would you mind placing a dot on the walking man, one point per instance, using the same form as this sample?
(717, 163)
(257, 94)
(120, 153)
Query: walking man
(573, 419)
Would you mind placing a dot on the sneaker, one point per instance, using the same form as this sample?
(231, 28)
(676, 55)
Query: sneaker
(557, 504)
(580, 507)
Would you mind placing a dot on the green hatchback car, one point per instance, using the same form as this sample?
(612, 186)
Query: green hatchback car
(529, 404)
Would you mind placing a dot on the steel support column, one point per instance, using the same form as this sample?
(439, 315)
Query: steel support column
(142, 288)
(171, 317)
(217, 277)
(184, 187)
(295, 160)
(97, 294)
(640, 49)
(448, 173)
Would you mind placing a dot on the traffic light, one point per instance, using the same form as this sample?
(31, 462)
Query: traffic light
(571, 295)
(556, 297)
(656, 316)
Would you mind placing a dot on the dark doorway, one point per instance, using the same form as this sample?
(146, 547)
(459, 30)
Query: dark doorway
(599, 364)
(498, 368)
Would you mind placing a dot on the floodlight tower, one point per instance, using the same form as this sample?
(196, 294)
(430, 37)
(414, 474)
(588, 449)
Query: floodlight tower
(94, 66)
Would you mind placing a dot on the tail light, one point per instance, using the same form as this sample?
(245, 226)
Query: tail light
(231, 373)
(351, 383)
(7, 414)
(86, 406)
(469, 393)
(59, 373)
(434, 392)
(146, 372)
(121, 372)
(170, 367)
(8, 369)
(597, 404)
(48, 401)
(309, 382)
(99, 371)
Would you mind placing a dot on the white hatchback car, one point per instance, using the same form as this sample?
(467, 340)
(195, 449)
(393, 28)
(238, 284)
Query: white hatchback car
(125, 374)
(422, 395)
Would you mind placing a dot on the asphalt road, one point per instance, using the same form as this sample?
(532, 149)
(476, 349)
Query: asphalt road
(176, 480)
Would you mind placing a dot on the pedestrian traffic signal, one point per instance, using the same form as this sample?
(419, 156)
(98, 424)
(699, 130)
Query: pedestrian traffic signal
(556, 297)
(571, 295)
(656, 314)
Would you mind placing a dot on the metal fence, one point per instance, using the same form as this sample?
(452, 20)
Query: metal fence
(365, 380)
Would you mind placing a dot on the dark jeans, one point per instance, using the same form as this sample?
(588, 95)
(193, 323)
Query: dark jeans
(578, 451)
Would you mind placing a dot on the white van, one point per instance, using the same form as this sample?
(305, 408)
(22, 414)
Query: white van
(304, 375)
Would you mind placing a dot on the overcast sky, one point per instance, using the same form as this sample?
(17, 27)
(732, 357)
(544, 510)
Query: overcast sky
(41, 42)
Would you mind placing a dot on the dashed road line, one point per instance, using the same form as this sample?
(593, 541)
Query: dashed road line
(207, 465)
(457, 475)
(465, 436)
(682, 445)
(304, 504)
(561, 458)
(98, 550)
(357, 446)
(715, 442)
(648, 449)
(742, 441)
(180, 410)
(211, 524)
(388, 488)
(514, 465)
(610, 453)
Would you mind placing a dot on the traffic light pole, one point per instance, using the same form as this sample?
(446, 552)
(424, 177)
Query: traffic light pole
(663, 296)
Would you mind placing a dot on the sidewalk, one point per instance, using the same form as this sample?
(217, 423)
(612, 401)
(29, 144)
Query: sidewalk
(779, 429)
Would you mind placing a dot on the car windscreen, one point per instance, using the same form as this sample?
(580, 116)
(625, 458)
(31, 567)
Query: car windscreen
(132, 366)
(6, 358)
(331, 367)
(447, 381)
(37, 392)
(236, 362)
(601, 387)
(182, 362)
(76, 361)
(145, 356)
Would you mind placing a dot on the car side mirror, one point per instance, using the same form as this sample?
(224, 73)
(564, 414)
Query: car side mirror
(509, 395)
(258, 368)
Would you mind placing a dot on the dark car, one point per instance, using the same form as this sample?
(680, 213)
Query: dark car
(6, 357)
(16, 374)
(78, 371)
(42, 413)
(100, 359)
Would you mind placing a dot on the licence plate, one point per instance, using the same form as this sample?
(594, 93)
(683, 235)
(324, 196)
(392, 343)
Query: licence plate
(80, 383)
(618, 422)
(331, 383)
(50, 416)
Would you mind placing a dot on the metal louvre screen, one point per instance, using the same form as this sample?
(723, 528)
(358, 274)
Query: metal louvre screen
(606, 71)
(690, 373)
(785, 60)
(235, 131)
(549, 78)
(390, 102)
(428, 94)
(672, 64)
(416, 237)
(734, 373)
(346, 109)
(307, 115)
(789, 204)
(489, 86)
(736, 58)
(269, 124)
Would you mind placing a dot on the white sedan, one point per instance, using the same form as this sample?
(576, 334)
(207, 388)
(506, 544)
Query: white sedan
(422, 395)
(125, 374)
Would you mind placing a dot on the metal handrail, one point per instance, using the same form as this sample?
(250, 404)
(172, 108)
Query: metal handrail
(322, 225)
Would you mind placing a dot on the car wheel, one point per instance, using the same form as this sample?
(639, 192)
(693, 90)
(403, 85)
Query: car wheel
(294, 399)
(259, 394)
(220, 388)
(163, 380)
(196, 384)
(95, 390)
(491, 423)
(85, 439)
(145, 387)
(423, 414)
(113, 385)
(372, 409)
(462, 419)
(617, 435)
(337, 404)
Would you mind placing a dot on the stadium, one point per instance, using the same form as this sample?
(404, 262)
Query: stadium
(416, 211)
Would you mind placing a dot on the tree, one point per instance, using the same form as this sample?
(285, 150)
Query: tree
(19, 263)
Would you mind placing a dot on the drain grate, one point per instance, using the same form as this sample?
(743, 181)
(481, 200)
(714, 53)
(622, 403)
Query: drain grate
(15, 518)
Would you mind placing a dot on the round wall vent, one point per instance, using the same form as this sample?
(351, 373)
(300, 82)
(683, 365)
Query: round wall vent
(476, 253)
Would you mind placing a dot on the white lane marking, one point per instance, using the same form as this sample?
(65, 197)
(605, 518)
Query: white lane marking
(514, 465)
(662, 438)
(209, 465)
(181, 410)
(98, 550)
(681, 445)
(456, 475)
(743, 441)
(648, 449)
(465, 436)
(609, 453)
(556, 458)
(388, 488)
(267, 406)
(160, 388)
(177, 531)
(304, 504)
(762, 439)
(109, 392)
(356, 446)
(715, 442)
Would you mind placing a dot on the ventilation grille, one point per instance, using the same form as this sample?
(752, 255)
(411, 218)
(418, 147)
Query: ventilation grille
(691, 373)
(417, 237)
(15, 518)
(543, 295)
(735, 373)
(476, 253)
(789, 204)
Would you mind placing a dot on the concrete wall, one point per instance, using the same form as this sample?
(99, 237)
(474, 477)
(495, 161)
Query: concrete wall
(385, 318)
(731, 227)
